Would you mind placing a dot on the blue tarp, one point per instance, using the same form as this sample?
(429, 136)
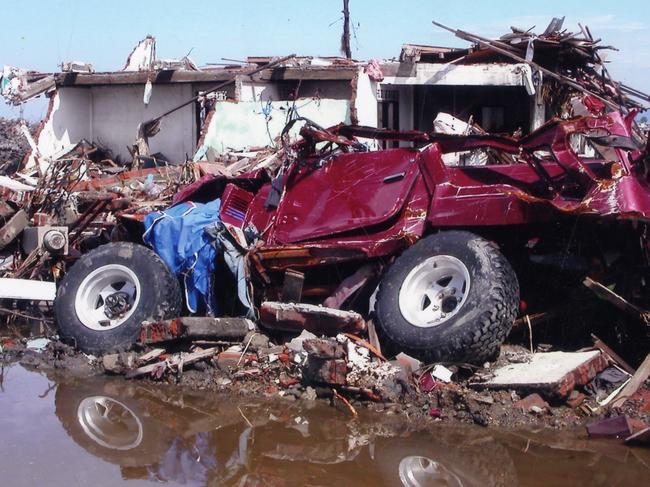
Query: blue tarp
(178, 235)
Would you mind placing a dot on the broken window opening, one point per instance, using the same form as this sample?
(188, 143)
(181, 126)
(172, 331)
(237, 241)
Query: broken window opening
(388, 114)
(508, 111)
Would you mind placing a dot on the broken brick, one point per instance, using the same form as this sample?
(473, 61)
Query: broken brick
(229, 360)
(286, 381)
(325, 349)
(575, 399)
(532, 402)
(325, 371)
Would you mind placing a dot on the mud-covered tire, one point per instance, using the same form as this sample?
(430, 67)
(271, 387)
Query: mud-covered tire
(159, 296)
(481, 322)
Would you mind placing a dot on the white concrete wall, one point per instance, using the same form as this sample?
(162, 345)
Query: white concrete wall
(465, 75)
(264, 92)
(268, 91)
(68, 123)
(117, 111)
(238, 126)
(109, 115)
(366, 101)
(405, 102)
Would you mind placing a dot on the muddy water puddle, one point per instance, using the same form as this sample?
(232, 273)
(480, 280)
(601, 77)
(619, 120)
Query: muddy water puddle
(64, 432)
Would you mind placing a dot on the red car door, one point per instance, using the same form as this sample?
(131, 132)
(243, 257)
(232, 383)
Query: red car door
(348, 193)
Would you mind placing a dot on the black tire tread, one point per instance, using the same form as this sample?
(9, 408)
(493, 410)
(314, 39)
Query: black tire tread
(169, 295)
(472, 344)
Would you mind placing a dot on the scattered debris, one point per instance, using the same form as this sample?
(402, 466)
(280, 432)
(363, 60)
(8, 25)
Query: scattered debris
(175, 363)
(532, 403)
(353, 249)
(441, 373)
(37, 344)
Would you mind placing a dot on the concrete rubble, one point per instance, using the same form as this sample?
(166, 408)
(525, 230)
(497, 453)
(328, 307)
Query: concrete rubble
(555, 374)
(350, 376)
(292, 334)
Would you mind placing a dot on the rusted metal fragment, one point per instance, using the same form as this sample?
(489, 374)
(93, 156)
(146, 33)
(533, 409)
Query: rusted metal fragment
(108, 181)
(553, 375)
(284, 257)
(351, 284)
(316, 319)
(161, 332)
(194, 327)
(376, 350)
(292, 286)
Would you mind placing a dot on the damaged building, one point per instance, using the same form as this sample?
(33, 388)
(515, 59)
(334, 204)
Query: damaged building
(406, 93)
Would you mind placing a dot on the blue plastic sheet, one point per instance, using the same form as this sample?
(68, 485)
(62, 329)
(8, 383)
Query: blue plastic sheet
(178, 235)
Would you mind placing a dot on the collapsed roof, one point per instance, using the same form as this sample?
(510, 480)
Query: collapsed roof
(572, 59)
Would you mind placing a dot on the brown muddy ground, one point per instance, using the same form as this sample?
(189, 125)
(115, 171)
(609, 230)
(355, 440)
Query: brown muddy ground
(450, 404)
(65, 431)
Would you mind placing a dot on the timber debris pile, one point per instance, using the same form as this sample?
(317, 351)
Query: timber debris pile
(462, 267)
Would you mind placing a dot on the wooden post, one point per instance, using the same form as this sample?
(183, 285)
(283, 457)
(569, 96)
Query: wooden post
(345, 38)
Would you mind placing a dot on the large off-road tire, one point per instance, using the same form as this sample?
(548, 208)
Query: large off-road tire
(130, 274)
(451, 297)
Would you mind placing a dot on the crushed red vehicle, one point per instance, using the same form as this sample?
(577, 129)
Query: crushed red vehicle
(434, 253)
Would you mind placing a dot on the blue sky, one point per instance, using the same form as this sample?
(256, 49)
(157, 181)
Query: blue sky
(40, 35)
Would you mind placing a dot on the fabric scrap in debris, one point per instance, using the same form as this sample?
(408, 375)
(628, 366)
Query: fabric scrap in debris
(234, 259)
(607, 381)
(178, 236)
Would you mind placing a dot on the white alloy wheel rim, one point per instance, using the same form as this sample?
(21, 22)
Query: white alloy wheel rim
(106, 282)
(109, 423)
(434, 291)
(418, 471)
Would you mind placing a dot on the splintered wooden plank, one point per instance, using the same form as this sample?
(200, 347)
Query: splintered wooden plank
(177, 360)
